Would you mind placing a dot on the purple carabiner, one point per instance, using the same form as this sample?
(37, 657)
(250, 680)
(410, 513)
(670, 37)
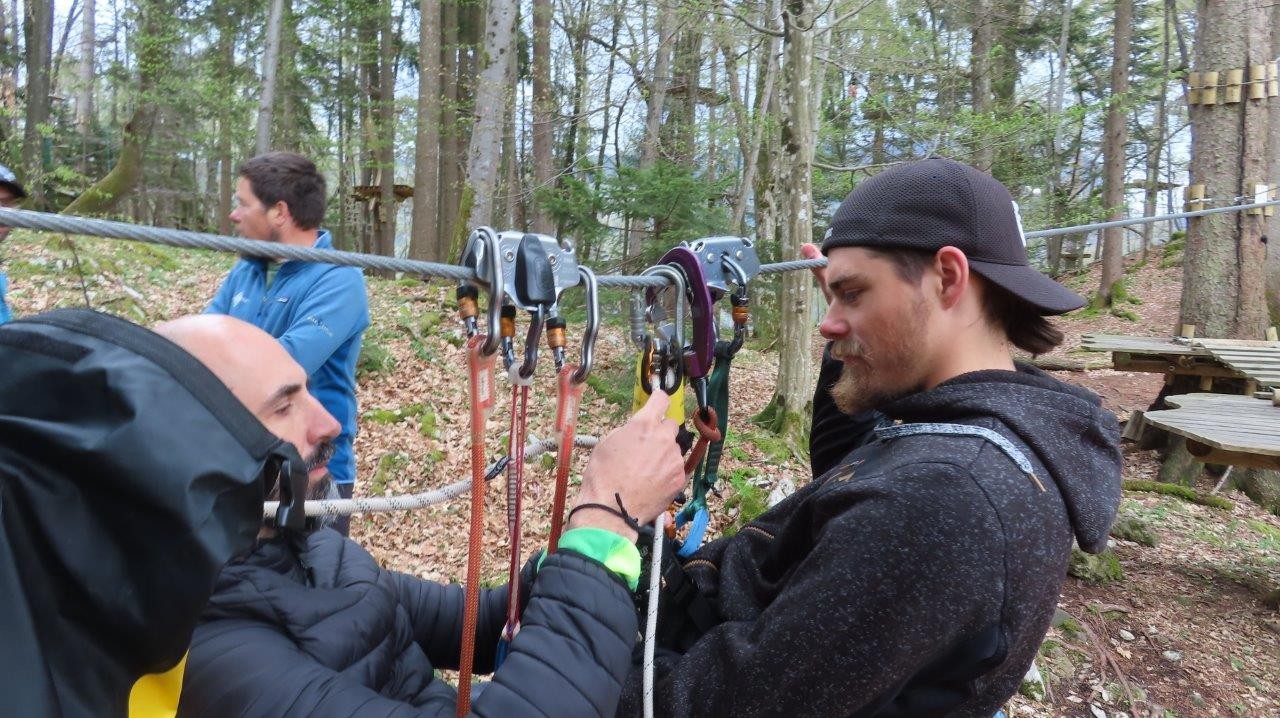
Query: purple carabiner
(701, 352)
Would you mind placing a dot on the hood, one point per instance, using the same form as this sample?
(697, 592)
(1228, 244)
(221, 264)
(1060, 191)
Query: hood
(1065, 426)
(129, 475)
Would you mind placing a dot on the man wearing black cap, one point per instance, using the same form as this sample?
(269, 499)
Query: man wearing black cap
(918, 575)
(11, 195)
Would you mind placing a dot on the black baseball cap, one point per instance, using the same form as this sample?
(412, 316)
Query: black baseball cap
(10, 180)
(935, 203)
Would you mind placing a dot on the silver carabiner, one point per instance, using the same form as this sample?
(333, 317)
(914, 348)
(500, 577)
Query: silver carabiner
(672, 343)
(592, 328)
(481, 254)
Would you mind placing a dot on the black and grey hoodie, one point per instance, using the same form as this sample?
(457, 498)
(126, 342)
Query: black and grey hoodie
(915, 578)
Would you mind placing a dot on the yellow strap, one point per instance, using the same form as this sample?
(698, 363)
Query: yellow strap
(155, 695)
(675, 411)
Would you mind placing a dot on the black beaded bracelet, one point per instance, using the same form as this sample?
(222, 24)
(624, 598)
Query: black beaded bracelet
(620, 512)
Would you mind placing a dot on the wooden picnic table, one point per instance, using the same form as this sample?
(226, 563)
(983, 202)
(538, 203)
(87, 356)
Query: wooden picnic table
(1224, 428)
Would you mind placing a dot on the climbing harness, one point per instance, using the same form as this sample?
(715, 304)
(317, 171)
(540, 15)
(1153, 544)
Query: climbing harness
(724, 261)
(481, 254)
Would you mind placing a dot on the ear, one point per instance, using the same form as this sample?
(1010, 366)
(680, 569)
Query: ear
(952, 267)
(279, 213)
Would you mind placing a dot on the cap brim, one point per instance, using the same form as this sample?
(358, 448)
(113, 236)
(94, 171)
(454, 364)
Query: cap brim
(16, 188)
(1031, 286)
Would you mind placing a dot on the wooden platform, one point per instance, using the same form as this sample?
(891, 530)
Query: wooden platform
(1139, 345)
(1257, 360)
(1224, 428)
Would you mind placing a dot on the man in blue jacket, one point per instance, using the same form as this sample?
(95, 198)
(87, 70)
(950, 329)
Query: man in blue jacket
(11, 194)
(317, 311)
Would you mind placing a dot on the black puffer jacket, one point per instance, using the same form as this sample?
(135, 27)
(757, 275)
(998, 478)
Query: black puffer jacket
(918, 576)
(322, 630)
(128, 476)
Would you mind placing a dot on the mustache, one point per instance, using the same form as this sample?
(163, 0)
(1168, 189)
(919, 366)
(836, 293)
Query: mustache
(850, 348)
(320, 456)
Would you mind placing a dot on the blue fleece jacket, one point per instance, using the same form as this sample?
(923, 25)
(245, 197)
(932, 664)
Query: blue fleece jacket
(5, 314)
(319, 313)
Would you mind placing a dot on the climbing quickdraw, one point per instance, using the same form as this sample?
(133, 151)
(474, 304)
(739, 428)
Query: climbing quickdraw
(570, 381)
(482, 255)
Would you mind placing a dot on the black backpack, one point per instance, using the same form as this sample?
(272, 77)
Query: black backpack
(129, 475)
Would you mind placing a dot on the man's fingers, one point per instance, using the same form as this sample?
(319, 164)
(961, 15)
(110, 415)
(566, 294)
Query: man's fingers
(656, 407)
(811, 251)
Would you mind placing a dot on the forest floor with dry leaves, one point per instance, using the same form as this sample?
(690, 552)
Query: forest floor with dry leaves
(1185, 632)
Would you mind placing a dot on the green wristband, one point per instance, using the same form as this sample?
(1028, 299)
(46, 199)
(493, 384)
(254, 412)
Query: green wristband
(606, 547)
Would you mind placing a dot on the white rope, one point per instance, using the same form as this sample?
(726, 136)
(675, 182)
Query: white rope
(651, 619)
(411, 502)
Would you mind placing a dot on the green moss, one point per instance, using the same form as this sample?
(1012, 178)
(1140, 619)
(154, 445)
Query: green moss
(1134, 529)
(427, 424)
(775, 447)
(1185, 493)
(1095, 568)
(374, 359)
(749, 499)
(389, 465)
(392, 416)
(613, 383)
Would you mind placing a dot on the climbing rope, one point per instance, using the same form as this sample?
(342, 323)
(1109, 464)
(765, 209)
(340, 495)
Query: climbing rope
(333, 508)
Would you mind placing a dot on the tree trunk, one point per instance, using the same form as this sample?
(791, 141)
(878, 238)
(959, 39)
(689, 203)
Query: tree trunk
(1151, 190)
(544, 108)
(84, 89)
(792, 402)
(155, 57)
(386, 153)
(270, 61)
(424, 243)
(226, 69)
(1273, 175)
(450, 130)
(751, 150)
(1222, 290)
(38, 31)
(483, 154)
(1113, 193)
(657, 99)
(1057, 95)
(983, 34)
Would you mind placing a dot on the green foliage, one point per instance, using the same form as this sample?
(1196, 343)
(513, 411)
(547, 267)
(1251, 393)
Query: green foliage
(1095, 568)
(1185, 493)
(749, 499)
(1135, 530)
(393, 416)
(614, 383)
(374, 358)
(389, 466)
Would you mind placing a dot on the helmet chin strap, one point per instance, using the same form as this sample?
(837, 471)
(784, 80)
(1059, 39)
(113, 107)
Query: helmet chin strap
(291, 478)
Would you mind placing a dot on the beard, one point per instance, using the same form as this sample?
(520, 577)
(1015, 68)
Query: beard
(872, 378)
(317, 489)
